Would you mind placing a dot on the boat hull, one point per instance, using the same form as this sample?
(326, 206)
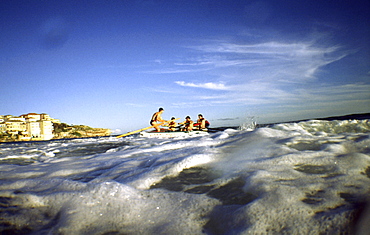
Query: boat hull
(173, 134)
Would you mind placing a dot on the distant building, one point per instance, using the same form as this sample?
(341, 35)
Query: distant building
(46, 127)
(32, 116)
(14, 118)
(15, 126)
(31, 126)
(2, 127)
(42, 116)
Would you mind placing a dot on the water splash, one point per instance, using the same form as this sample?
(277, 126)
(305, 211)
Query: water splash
(250, 123)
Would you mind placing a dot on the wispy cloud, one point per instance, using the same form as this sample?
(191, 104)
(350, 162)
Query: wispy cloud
(328, 95)
(158, 61)
(270, 73)
(207, 85)
(135, 105)
(272, 60)
(269, 48)
(334, 93)
(174, 70)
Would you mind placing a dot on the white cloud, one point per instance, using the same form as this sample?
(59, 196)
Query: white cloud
(266, 94)
(268, 49)
(268, 62)
(271, 61)
(135, 105)
(338, 93)
(270, 74)
(173, 71)
(207, 85)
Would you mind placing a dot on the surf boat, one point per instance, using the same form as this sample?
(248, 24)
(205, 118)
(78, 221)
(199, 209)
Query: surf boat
(173, 134)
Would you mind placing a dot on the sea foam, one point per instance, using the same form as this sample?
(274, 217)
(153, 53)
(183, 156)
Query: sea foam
(292, 178)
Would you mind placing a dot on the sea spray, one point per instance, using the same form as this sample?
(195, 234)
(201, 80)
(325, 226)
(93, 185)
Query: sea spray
(249, 123)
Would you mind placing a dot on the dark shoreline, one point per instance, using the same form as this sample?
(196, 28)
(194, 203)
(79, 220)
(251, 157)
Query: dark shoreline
(360, 116)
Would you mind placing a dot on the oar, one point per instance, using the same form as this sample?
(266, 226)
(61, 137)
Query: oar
(133, 132)
(143, 129)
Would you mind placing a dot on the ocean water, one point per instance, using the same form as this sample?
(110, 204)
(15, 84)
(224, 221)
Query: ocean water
(310, 177)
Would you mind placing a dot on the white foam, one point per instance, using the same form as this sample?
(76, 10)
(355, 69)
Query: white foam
(302, 176)
(23, 156)
(114, 207)
(155, 174)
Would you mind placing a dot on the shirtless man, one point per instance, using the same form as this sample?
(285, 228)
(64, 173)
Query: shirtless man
(188, 124)
(157, 117)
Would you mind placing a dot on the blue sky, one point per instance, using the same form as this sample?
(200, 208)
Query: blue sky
(113, 63)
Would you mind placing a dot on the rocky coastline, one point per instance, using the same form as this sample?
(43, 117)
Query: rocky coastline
(64, 131)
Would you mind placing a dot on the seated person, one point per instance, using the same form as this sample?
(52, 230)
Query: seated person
(202, 123)
(172, 124)
(188, 124)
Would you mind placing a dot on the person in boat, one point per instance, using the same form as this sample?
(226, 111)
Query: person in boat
(172, 124)
(201, 122)
(157, 117)
(188, 124)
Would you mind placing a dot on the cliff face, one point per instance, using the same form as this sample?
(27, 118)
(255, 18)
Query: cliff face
(63, 130)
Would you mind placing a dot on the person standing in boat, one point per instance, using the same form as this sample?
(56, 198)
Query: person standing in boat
(202, 123)
(188, 124)
(157, 117)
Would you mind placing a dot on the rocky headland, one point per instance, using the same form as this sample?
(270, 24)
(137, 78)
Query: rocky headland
(63, 130)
